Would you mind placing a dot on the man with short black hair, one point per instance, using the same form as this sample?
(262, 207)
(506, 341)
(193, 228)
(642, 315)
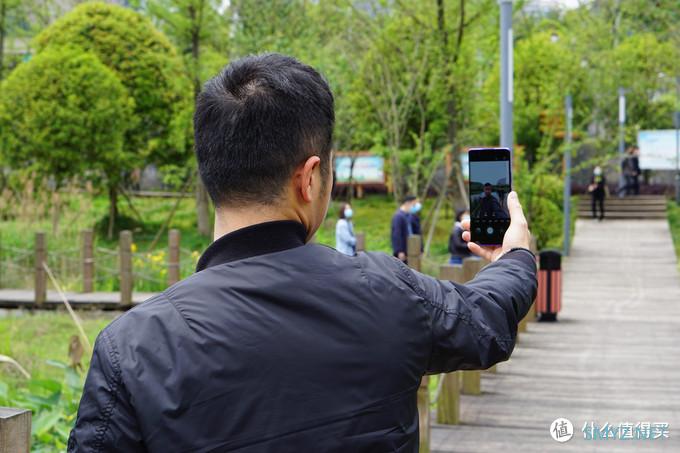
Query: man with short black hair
(277, 344)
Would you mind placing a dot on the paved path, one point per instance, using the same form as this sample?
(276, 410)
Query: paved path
(614, 355)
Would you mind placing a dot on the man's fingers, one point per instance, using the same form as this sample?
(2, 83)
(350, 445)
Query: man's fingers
(465, 224)
(480, 251)
(515, 208)
(466, 236)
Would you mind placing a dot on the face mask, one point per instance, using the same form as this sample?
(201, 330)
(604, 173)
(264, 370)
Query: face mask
(464, 218)
(416, 208)
(348, 213)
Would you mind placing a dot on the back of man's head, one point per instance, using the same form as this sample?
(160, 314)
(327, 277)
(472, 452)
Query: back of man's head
(255, 122)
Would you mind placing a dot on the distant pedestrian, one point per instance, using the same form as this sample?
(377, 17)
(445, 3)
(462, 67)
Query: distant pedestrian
(403, 225)
(598, 191)
(457, 246)
(635, 176)
(345, 241)
(630, 170)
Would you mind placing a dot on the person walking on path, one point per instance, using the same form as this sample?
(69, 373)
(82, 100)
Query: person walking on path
(630, 168)
(458, 248)
(277, 343)
(597, 190)
(403, 226)
(345, 242)
(635, 165)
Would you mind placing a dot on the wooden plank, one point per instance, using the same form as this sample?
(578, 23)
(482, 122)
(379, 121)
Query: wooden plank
(15, 430)
(173, 256)
(40, 283)
(126, 278)
(612, 356)
(448, 405)
(361, 242)
(24, 298)
(413, 251)
(88, 260)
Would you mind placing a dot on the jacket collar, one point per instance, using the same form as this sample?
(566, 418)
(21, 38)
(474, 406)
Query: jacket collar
(254, 240)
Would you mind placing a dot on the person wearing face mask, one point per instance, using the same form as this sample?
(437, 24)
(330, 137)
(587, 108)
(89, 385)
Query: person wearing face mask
(403, 225)
(345, 242)
(597, 190)
(458, 248)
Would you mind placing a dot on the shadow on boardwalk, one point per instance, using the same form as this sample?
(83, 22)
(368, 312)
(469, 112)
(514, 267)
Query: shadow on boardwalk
(614, 356)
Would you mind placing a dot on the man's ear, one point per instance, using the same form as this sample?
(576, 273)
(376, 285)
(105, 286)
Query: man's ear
(307, 179)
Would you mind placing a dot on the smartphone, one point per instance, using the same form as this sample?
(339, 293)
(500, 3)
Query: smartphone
(490, 181)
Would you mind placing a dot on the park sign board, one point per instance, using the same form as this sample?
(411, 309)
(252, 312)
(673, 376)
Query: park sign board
(657, 149)
(368, 168)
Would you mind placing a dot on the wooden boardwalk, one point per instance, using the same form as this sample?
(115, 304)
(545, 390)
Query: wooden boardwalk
(24, 298)
(614, 355)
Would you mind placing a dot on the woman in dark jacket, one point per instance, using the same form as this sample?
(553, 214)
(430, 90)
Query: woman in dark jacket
(457, 246)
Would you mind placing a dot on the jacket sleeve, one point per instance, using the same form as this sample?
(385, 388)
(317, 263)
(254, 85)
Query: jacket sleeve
(106, 421)
(474, 326)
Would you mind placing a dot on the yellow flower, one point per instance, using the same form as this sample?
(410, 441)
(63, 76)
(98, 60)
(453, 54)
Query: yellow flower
(133, 247)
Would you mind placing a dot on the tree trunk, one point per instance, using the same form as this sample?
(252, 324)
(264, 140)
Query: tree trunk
(202, 202)
(3, 10)
(203, 209)
(113, 210)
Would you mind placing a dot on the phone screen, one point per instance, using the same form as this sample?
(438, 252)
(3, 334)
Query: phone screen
(490, 182)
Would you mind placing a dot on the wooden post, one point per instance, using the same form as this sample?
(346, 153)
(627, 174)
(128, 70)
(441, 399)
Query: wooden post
(15, 430)
(470, 268)
(448, 405)
(173, 256)
(40, 274)
(451, 272)
(125, 254)
(413, 252)
(88, 260)
(472, 382)
(361, 242)
(471, 378)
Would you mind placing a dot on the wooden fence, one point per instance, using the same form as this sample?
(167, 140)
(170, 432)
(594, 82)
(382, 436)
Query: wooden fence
(120, 269)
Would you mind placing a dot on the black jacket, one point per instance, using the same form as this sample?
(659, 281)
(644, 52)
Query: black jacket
(277, 346)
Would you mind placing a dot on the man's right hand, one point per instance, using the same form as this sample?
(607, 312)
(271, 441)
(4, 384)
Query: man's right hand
(517, 235)
(402, 256)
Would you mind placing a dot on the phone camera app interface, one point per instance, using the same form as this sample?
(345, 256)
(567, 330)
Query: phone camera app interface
(489, 188)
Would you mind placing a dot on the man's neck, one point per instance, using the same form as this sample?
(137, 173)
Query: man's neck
(228, 220)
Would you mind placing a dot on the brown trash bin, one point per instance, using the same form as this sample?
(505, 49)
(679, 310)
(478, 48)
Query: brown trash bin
(549, 299)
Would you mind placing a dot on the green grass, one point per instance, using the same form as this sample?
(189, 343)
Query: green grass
(674, 222)
(32, 338)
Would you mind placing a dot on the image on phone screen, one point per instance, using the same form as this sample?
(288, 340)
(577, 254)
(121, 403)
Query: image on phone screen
(489, 185)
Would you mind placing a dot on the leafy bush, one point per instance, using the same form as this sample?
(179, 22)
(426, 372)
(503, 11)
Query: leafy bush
(54, 404)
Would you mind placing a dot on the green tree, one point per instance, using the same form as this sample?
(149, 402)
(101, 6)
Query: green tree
(63, 114)
(148, 67)
(198, 29)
